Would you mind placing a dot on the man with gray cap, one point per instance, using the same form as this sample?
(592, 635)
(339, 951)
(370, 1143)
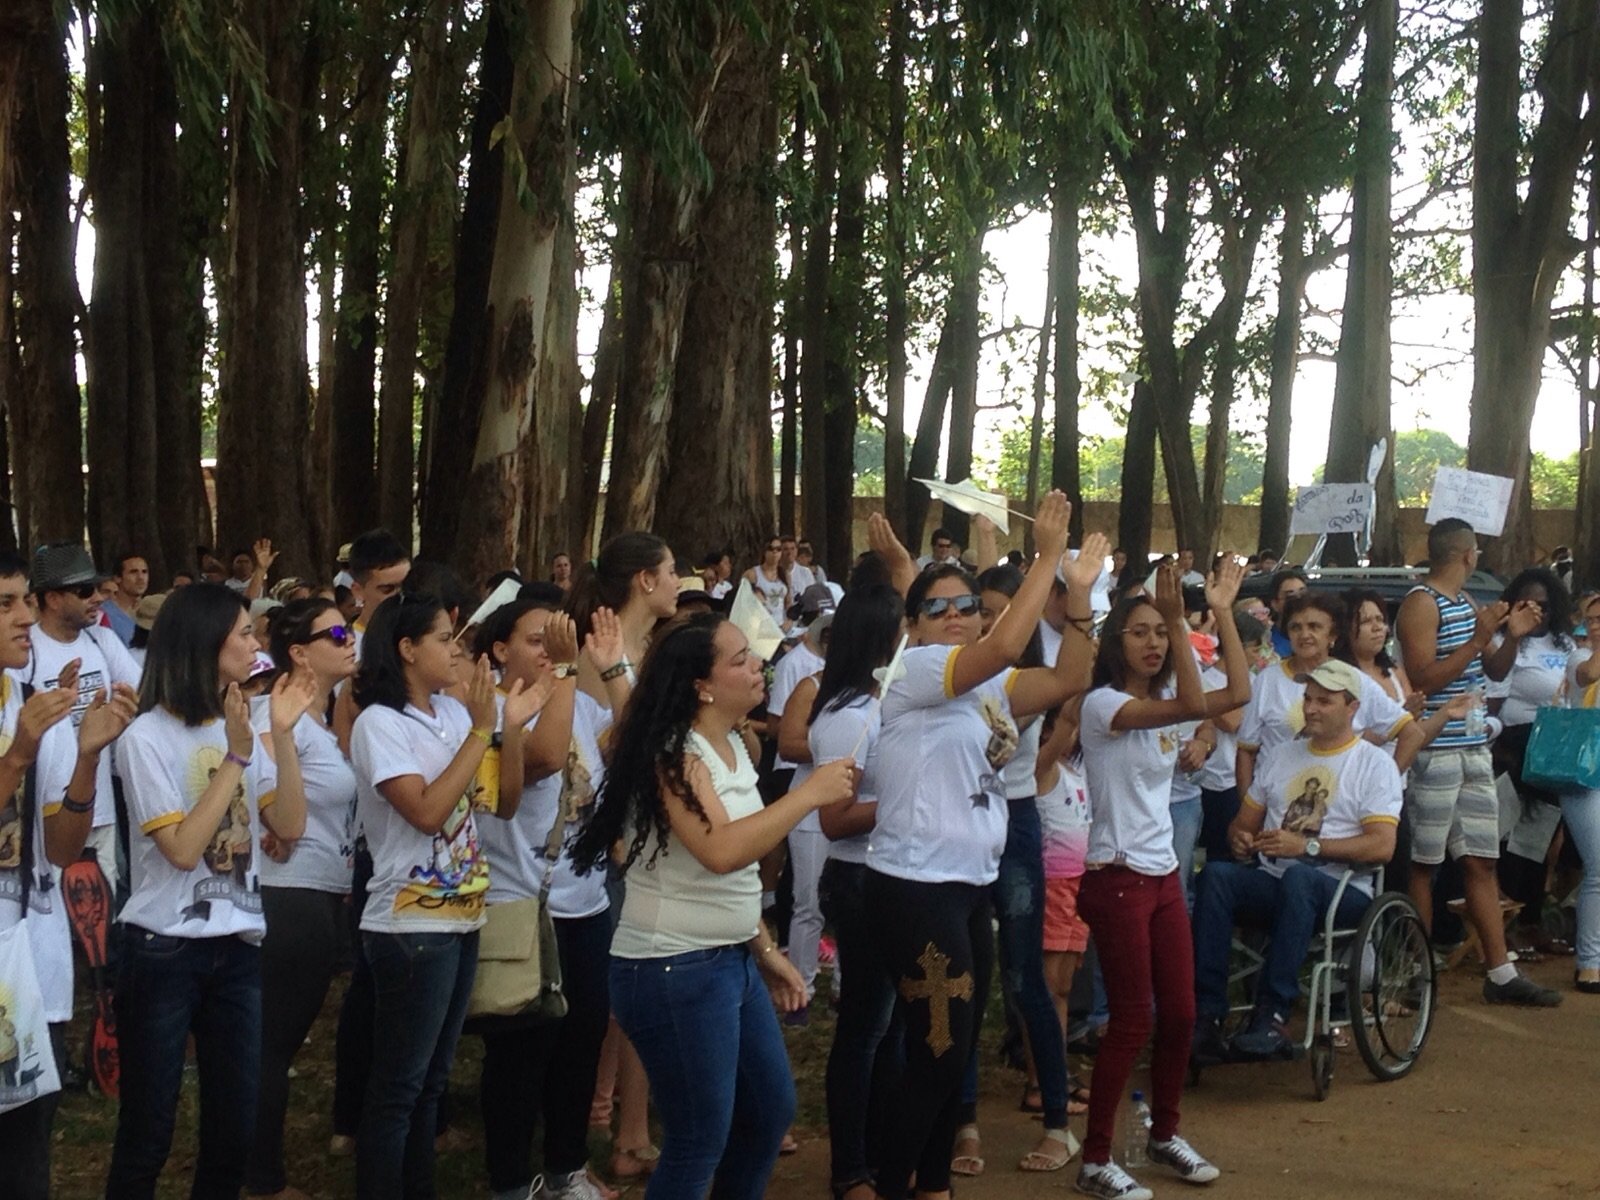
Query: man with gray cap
(65, 583)
(1317, 804)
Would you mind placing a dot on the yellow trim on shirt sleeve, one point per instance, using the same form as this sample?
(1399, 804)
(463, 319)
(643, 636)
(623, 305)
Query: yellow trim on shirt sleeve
(1380, 819)
(1247, 745)
(270, 798)
(1011, 679)
(1253, 803)
(950, 674)
(1395, 729)
(162, 822)
(50, 810)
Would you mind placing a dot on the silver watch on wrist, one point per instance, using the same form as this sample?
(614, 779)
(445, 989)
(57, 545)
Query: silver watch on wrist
(1313, 848)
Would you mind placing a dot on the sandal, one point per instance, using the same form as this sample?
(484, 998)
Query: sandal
(788, 1146)
(628, 1165)
(969, 1165)
(1032, 1099)
(1077, 1100)
(1041, 1160)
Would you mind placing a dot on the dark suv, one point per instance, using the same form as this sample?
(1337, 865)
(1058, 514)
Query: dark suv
(1392, 583)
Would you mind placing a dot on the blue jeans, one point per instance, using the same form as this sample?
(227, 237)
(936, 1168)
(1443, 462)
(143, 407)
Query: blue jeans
(1019, 906)
(170, 987)
(1581, 811)
(1292, 907)
(868, 1051)
(705, 1029)
(1187, 818)
(422, 982)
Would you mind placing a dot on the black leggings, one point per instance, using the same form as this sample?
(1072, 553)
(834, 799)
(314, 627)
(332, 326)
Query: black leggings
(937, 942)
(298, 961)
(550, 1068)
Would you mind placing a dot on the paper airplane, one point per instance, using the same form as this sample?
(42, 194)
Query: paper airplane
(753, 620)
(887, 675)
(974, 501)
(496, 600)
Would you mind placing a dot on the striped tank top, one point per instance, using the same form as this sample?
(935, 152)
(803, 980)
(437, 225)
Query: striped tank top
(1458, 621)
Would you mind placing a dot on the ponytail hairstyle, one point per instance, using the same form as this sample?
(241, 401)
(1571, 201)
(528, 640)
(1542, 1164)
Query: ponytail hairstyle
(180, 666)
(608, 581)
(1007, 580)
(648, 743)
(381, 677)
(291, 626)
(502, 622)
(863, 636)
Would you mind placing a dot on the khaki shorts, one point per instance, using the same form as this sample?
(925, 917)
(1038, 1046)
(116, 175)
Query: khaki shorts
(1453, 805)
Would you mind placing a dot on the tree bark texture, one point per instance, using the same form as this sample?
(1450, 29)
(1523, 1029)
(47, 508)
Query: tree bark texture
(602, 393)
(793, 289)
(815, 330)
(1041, 379)
(1064, 271)
(847, 285)
(925, 449)
(1138, 475)
(1285, 361)
(896, 320)
(965, 297)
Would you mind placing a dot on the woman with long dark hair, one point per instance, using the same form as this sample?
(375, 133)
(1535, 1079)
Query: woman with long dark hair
(416, 754)
(770, 579)
(939, 833)
(305, 883)
(680, 812)
(836, 715)
(1131, 895)
(1364, 644)
(199, 789)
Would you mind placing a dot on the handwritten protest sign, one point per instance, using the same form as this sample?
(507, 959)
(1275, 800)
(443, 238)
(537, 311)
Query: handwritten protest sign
(1479, 500)
(1331, 508)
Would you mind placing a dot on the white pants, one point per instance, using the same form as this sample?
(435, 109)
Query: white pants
(808, 853)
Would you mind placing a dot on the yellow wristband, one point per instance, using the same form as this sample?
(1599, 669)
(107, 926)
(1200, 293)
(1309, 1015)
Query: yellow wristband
(486, 734)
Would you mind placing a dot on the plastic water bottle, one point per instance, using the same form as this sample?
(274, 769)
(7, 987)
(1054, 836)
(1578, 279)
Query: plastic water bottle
(1474, 722)
(1134, 1152)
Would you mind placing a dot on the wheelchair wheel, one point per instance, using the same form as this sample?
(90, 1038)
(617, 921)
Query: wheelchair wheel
(1390, 982)
(1322, 1065)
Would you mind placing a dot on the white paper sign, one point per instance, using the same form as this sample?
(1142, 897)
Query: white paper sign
(1479, 500)
(1331, 508)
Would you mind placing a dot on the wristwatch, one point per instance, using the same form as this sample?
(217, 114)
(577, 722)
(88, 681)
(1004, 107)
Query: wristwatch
(565, 670)
(1313, 848)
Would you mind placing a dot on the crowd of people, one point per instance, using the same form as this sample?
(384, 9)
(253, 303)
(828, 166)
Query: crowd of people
(594, 828)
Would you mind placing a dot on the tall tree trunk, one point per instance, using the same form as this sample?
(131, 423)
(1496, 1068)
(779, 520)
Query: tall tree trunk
(1064, 267)
(552, 458)
(716, 489)
(1285, 361)
(417, 204)
(451, 431)
(847, 283)
(925, 449)
(602, 392)
(793, 290)
(1520, 244)
(1361, 402)
(964, 301)
(814, 321)
(1136, 502)
(263, 403)
(46, 426)
(1041, 377)
(896, 320)
(11, 399)
(1587, 542)
(1236, 262)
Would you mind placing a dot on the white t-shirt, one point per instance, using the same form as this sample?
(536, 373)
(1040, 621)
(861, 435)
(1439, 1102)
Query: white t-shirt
(1217, 775)
(941, 801)
(516, 848)
(1326, 793)
(721, 589)
(166, 767)
(49, 935)
(1064, 820)
(1050, 639)
(323, 858)
(421, 882)
(1130, 787)
(848, 732)
(1275, 713)
(801, 662)
(104, 661)
(773, 594)
(800, 578)
(1018, 775)
(1534, 680)
(673, 905)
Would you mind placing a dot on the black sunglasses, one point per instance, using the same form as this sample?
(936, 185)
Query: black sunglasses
(938, 606)
(339, 635)
(83, 591)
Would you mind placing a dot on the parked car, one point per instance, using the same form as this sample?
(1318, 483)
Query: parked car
(1392, 583)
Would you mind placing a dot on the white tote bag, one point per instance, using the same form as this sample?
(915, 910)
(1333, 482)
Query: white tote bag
(27, 1062)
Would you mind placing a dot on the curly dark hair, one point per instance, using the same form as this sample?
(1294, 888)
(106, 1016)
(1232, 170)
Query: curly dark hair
(1558, 612)
(648, 747)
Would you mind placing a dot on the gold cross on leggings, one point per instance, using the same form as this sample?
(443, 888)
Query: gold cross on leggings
(938, 987)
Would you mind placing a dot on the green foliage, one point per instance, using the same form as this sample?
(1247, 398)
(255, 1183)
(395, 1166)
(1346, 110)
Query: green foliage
(1554, 481)
(1418, 453)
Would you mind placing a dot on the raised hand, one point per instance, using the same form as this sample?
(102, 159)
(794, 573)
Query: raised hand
(1168, 599)
(1490, 618)
(1050, 526)
(68, 679)
(560, 639)
(832, 782)
(480, 695)
(603, 643)
(264, 554)
(236, 722)
(105, 719)
(1524, 618)
(1083, 571)
(525, 701)
(1222, 588)
(292, 697)
(880, 537)
(43, 710)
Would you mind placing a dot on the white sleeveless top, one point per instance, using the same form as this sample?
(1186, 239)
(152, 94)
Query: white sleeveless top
(774, 594)
(675, 905)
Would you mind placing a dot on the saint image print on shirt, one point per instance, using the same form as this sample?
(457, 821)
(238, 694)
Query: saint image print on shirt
(1309, 792)
(1001, 747)
(456, 878)
(577, 786)
(230, 855)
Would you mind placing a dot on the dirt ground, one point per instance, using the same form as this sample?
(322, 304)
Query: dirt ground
(1504, 1104)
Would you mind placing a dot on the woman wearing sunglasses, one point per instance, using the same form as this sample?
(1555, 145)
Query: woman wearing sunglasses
(305, 883)
(770, 578)
(949, 728)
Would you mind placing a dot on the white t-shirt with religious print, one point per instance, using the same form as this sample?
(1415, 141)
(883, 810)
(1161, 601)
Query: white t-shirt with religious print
(849, 732)
(1130, 787)
(421, 882)
(103, 661)
(1276, 710)
(166, 768)
(1325, 794)
(941, 800)
(49, 935)
(323, 858)
(1535, 679)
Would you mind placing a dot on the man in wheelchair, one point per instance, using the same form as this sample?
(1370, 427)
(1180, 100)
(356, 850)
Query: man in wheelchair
(1327, 800)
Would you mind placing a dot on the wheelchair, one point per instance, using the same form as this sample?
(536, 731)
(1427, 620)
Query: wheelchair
(1384, 973)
